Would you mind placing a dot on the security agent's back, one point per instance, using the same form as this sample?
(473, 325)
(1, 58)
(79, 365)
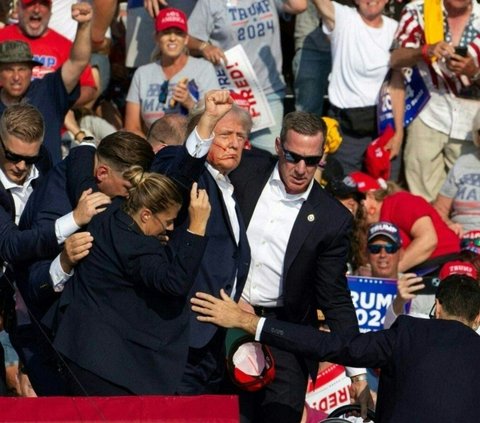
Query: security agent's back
(432, 375)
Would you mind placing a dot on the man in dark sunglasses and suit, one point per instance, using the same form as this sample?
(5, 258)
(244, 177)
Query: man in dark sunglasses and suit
(23, 162)
(299, 238)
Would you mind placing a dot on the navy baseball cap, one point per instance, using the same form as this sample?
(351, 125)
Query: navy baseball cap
(386, 229)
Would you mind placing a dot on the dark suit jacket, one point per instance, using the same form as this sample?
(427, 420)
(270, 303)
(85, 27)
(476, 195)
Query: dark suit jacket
(315, 260)
(48, 202)
(126, 317)
(429, 368)
(16, 245)
(223, 259)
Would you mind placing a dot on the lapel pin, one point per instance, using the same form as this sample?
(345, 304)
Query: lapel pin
(311, 217)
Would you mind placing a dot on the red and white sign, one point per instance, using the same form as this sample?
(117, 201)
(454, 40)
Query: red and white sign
(238, 77)
(329, 392)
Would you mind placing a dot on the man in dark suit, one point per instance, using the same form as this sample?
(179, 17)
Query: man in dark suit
(227, 255)
(41, 281)
(299, 237)
(23, 162)
(429, 368)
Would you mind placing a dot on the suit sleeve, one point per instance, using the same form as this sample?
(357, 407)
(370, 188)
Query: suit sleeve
(169, 273)
(79, 169)
(20, 245)
(372, 349)
(176, 163)
(331, 289)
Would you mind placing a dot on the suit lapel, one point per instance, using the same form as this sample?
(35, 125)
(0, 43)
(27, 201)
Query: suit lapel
(213, 186)
(304, 223)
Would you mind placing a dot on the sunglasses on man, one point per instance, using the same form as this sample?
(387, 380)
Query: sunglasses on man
(17, 158)
(376, 248)
(295, 158)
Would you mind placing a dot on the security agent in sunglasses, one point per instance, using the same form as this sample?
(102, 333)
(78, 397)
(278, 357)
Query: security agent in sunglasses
(429, 368)
(23, 163)
(299, 238)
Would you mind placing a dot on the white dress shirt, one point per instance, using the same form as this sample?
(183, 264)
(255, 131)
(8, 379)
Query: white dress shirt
(268, 234)
(64, 226)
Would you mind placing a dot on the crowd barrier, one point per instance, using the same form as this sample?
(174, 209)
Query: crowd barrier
(151, 409)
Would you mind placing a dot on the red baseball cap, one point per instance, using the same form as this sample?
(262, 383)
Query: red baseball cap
(366, 183)
(171, 18)
(458, 267)
(250, 363)
(26, 3)
(377, 159)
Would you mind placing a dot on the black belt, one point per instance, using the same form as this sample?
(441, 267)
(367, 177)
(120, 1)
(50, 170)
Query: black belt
(269, 311)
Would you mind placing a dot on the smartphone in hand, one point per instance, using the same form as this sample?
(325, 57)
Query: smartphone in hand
(461, 51)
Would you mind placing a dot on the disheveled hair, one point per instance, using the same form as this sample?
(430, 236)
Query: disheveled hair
(242, 114)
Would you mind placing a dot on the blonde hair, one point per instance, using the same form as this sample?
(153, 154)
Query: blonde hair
(392, 187)
(150, 190)
(23, 121)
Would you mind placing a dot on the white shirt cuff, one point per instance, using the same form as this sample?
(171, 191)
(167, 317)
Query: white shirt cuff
(355, 371)
(390, 316)
(258, 332)
(196, 146)
(58, 276)
(65, 226)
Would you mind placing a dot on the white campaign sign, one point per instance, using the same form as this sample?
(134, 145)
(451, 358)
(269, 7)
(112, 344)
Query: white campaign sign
(238, 77)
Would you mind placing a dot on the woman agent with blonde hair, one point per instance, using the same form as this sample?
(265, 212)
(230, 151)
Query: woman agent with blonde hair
(125, 326)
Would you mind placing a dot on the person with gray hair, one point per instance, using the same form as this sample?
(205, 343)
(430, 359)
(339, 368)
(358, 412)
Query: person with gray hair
(458, 201)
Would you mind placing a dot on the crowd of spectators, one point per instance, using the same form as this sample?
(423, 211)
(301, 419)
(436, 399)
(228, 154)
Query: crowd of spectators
(96, 95)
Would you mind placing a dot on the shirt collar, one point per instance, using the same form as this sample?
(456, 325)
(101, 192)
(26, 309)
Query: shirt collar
(216, 174)
(277, 182)
(8, 184)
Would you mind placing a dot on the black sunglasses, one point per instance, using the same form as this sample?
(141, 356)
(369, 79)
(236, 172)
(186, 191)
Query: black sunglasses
(17, 158)
(291, 157)
(162, 97)
(376, 248)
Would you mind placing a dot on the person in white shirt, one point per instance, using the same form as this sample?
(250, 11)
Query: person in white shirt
(299, 237)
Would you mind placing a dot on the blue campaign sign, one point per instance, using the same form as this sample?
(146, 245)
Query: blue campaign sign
(416, 96)
(371, 297)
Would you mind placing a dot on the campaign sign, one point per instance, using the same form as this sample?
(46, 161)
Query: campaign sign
(371, 297)
(416, 96)
(329, 392)
(238, 77)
